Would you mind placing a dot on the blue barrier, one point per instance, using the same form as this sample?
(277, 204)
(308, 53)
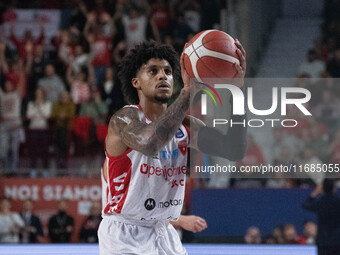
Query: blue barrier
(229, 212)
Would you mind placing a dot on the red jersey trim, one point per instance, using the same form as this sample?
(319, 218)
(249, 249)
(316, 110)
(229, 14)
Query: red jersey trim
(119, 156)
(119, 176)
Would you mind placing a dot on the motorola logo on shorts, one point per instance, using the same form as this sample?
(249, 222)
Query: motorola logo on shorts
(150, 204)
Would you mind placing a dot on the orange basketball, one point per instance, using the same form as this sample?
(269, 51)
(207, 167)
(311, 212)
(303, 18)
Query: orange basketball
(211, 54)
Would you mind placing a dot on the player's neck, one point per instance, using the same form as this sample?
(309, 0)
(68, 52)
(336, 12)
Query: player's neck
(153, 109)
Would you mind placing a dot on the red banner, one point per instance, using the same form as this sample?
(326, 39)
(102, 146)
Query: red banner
(45, 193)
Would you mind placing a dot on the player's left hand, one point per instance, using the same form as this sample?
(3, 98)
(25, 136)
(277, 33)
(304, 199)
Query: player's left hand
(241, 68)
(193, 223)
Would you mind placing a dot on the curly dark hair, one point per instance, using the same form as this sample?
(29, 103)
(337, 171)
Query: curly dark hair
(140, 55)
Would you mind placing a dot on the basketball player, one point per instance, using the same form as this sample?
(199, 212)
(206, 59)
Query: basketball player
(146, 153)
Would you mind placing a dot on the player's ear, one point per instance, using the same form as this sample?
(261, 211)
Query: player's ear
(135, 83)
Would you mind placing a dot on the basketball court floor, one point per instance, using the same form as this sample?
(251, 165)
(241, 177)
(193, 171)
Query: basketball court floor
(192, 249)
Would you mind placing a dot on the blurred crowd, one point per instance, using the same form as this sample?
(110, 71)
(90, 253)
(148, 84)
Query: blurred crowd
(325, 203)
(283, 234)
(55, 102)
(316, 139)
(26, 227)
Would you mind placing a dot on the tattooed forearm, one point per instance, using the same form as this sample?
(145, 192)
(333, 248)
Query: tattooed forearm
(168, 123)
(149, 138)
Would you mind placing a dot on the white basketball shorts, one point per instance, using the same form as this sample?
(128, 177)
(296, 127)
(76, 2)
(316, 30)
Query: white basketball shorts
(118, 236)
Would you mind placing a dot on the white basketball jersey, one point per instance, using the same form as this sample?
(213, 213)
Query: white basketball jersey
(141, 187)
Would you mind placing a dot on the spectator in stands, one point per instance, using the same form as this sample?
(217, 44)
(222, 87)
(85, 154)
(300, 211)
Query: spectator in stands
(303, 81)
(327, 209)
(120, 7)
(16, 68)
(161, 13)
(61, 225)
(290, 235)
(312, 66)
(38, 134)
(27, 39)
(181, 31)
(79, 84)
(11, 131)
(285, 158)
(301, 129)
(39, 61)
(334, 149)
(78, 17)
(111, 92)
(107, 23)
(253, 236)
(119, 52)
(64, 45)
(52, 84)
(333, 65)
(96, 109)
(100, 44)
(135, 27)
(321, 127)
(279, 181)
(310, 161)
(63, 112)
(318, 88)
(107, 88)
(191, 10)
(318, 142)
(278, 234)
(282, 139)
(33, 228)
(79, 60)
(310, 230)
(270, 239)
(89, 228)
(253, 157)
(10, 223)
(328, 111)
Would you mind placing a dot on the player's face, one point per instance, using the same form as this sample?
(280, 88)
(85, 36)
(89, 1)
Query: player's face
(155, 80)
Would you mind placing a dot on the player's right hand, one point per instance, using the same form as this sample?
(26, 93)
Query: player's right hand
(185, 76)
